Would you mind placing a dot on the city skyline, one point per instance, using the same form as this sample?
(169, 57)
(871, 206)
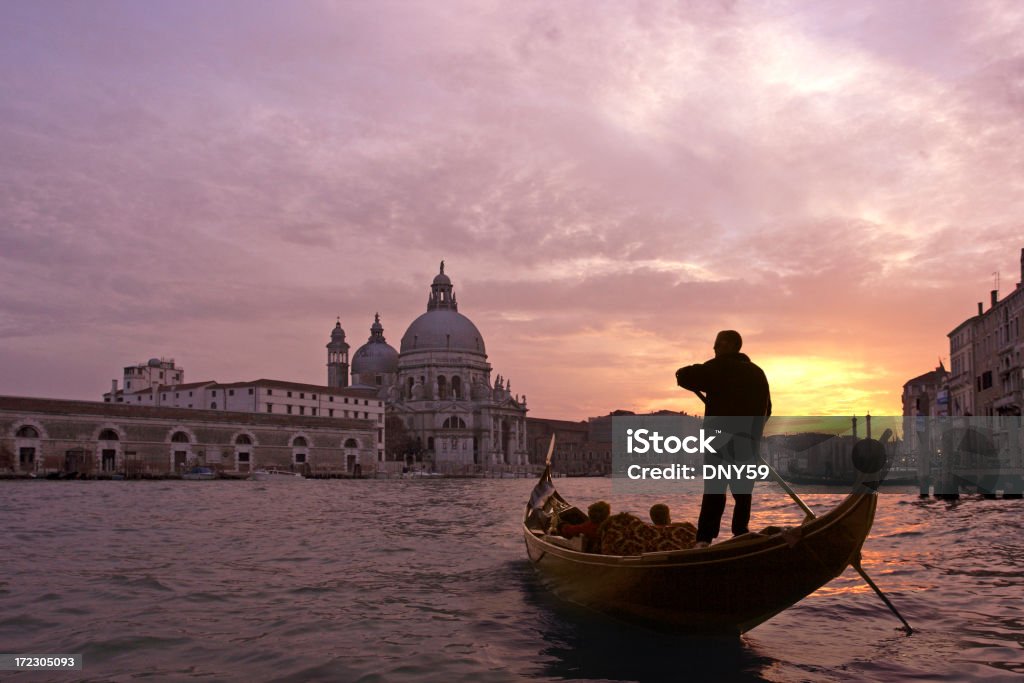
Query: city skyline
(609, 186)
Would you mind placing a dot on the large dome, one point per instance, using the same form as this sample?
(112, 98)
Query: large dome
(442, 327)
(443, 330)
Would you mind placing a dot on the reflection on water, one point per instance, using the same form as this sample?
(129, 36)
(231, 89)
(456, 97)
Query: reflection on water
(427, 580)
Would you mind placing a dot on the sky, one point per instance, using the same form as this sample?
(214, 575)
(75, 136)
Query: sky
(609, 185)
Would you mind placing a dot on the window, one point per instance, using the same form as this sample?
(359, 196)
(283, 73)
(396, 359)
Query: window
(302, 395)
(346, 399)
(128, 384)
(176, 395)
(27, 432)
(163, 397)
(302, 410)
(270, 392)
(365, 402)
(289, 410)
(330, 412)
(270, 407)
(351, 443)
(109, 435)
(180, 437)
(986, 379)
(380, 435)
(213, 406)
(231, 392)
(313, 397)
(330, 399)
(299, 442)
(190, 396)
(289, 394)
(250, 391)
(312, 411)
(243, 439)
(300, 458)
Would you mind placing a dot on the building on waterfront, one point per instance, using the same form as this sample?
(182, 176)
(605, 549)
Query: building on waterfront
(987, 376)
(438, 385)
(40, 436)
(570, 439)
(263, 396)
(442, 389)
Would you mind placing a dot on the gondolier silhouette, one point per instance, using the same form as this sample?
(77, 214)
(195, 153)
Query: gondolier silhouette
(738, 403)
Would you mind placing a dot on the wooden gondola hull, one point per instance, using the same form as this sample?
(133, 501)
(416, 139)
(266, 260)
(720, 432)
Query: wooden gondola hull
(728, 588)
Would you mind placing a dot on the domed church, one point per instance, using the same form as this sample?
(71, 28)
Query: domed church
(439, 384)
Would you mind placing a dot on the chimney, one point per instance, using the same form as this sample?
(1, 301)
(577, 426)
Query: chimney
(995, 296)
(979, 308)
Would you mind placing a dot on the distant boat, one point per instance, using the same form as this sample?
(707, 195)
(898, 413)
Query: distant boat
(199, 473)
(275, 474)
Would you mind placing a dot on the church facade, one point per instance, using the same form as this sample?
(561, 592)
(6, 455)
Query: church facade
(439, 385)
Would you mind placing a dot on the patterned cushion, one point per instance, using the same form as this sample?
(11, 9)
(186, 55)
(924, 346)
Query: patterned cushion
(625, 534)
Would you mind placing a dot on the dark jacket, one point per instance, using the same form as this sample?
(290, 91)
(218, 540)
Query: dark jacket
(732, 385)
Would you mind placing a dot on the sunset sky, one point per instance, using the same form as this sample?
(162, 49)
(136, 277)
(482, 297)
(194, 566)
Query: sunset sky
(608, 183)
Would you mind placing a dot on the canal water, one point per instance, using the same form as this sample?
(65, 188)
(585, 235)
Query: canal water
(347, 580)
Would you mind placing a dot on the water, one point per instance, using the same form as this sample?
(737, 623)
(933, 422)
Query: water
(427, 580)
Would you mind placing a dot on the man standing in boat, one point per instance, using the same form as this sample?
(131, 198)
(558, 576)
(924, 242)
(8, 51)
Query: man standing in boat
(737, 402)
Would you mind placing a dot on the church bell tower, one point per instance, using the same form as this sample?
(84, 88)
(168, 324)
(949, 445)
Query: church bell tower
(337, 358)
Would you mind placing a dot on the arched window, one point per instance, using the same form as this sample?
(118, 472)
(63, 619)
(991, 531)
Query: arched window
(351, 443)
(27, 432)
(109, 435)
(180, 437)
(457, 387)
(243, 440)
(454, 422)
(299, 442)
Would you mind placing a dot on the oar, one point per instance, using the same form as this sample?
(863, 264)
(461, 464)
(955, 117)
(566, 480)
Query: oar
(855, 563)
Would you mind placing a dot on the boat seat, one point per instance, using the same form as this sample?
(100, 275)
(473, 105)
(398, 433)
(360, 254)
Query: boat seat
(568, 543)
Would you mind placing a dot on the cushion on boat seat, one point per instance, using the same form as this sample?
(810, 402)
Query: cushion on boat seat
(626, 534)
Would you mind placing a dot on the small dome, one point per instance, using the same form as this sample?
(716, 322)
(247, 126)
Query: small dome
(376, 356)
(442, 279)
(337, 332)
(154, 362)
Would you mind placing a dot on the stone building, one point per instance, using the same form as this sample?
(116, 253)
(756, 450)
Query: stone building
(443, 391)
(987, 375)
(92, 438)
(264, 396)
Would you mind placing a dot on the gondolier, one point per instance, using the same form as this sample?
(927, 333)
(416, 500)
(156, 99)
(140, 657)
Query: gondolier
(738, 403)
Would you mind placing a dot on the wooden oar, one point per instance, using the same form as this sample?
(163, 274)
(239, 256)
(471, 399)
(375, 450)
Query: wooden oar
(809, 515)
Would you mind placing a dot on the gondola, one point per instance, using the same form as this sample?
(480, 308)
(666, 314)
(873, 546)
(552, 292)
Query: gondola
(727, 588)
